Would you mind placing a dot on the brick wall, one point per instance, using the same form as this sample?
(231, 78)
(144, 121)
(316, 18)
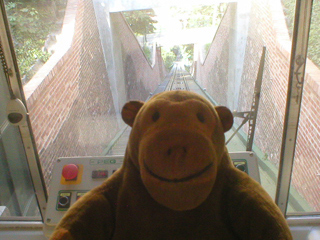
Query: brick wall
(71, 110)
(306, 178)
(69, 100)
(267, 28)
(141, 77)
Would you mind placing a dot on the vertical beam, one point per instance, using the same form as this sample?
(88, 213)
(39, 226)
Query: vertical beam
(294, 97)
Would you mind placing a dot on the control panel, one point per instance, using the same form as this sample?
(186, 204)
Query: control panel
(72, 177)
(246, 162)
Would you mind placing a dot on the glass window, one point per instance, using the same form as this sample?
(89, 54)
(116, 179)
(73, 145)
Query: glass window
(35, 27)
(80, 61)
(305, 184)
(258, 50)
(17, 196)
(68, 77)
(240, 54)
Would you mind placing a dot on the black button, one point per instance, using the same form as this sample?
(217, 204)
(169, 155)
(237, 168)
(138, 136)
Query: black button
(64, 201)
(15, 117)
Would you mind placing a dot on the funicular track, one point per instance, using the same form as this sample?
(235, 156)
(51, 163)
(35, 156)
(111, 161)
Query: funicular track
(178, 79)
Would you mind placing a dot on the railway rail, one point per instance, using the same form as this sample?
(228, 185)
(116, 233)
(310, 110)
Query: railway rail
(178, 80)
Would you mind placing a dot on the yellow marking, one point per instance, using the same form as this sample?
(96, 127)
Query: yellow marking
(73, 182)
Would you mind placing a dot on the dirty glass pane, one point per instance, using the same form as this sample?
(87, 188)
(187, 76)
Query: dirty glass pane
(305, 185)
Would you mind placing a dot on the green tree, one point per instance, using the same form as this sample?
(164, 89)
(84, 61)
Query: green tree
(188, 50)
(168, 58)
(200, 16)
(314, 43)
(141, 22)
(30, 23)
(177, 52)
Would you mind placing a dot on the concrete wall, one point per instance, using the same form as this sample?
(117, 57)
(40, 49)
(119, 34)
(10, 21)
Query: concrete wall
(212, 73)
(265, 26)
(140, 76)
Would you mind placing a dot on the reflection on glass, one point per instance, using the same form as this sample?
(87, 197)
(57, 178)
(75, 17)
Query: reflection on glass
(305, 185)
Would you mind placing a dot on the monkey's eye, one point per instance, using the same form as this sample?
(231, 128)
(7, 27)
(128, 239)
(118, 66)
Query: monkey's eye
(155, 116)
(200, 117)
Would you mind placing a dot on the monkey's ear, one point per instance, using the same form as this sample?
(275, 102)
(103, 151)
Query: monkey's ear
(226, 117)
(130, 110)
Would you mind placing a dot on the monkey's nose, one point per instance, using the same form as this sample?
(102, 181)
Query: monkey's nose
(177, 151)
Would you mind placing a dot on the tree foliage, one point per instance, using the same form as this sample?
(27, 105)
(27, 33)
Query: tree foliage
(188, 51)
(30, 23)
(141, 22)
(314, 42)
(168, 58)
(200, 16)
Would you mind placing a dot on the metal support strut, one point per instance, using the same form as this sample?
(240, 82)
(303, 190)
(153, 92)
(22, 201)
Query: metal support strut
(251, 115)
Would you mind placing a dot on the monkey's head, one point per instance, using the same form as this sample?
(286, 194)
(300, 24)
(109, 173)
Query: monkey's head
(177, 143)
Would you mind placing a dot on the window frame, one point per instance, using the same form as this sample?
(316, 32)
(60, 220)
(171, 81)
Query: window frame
(302, 22)
(25, 128)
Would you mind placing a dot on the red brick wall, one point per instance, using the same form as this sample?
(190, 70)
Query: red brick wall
(267, 28)
(306, 177)
(141, 78)
(69, 100)
(71, 111)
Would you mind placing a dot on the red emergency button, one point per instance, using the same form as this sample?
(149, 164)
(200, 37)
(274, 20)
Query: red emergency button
(70, 171)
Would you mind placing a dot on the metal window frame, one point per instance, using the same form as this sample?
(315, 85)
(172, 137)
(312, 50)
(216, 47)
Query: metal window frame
(298, 60)
(25, 128)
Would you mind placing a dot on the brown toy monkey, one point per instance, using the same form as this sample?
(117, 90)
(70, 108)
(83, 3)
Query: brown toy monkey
(177, 181)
